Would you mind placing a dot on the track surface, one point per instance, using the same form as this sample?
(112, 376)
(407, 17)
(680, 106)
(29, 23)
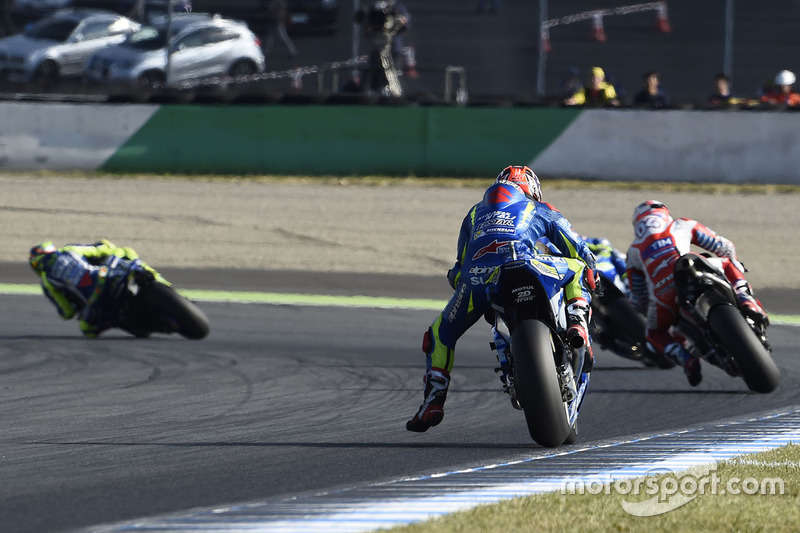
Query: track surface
(282, 400)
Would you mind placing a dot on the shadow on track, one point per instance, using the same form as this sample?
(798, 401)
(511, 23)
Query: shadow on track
(321, 445)
(672, 391)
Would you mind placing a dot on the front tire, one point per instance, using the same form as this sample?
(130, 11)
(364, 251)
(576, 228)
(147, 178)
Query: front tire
(243, 67)
(175, 312)
(537, 385)
(145, 86)
(737, 338)
(46, 74)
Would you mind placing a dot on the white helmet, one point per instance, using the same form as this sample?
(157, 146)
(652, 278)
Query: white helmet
(785, 77)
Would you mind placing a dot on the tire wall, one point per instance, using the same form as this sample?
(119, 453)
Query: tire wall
(670, 145)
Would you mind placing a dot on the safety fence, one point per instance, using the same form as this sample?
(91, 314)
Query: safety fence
(596, 16)
(317, 83)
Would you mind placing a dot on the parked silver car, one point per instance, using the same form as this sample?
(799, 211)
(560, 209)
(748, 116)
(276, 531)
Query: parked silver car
(201, 46)
(59, 45)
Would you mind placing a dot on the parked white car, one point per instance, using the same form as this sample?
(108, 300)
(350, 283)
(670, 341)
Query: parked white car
(58, 46)
(201, 46)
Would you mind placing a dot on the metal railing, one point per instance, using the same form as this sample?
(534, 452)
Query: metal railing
(459, 95)
(596, 16)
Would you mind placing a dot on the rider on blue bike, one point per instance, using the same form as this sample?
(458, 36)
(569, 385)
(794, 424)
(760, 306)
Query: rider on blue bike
(73, 278)
(504, 226)
(610, 261)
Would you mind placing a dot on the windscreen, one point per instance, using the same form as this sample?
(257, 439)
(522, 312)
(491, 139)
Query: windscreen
(148, 38)
(52, 29)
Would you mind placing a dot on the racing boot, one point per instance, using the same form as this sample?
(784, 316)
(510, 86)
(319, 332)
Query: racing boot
(577, 323)
(749, 304)
(690, 364)
(431, 412)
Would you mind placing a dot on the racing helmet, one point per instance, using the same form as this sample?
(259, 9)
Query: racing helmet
(785, 77)
(648, 208)
(524, 178)
(39, 253)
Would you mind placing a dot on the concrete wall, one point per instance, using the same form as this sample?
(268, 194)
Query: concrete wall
(695, 146)
(65, 136)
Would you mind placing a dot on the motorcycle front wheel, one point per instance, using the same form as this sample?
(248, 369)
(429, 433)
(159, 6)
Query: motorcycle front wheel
(174, 312)
(537, 386)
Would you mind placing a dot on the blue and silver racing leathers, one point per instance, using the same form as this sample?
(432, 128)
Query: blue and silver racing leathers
(504, 226)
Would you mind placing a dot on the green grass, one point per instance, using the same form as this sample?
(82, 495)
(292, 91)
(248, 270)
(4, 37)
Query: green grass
(413, 181)
(589, 513)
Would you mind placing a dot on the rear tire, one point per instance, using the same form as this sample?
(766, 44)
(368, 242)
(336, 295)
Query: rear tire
(537, 385)
(737, 338)
(169, 307)
(572, 438)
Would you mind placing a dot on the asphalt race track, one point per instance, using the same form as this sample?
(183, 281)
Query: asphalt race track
(281, 400)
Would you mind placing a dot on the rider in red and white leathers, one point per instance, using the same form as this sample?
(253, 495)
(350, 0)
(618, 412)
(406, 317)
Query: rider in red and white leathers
(659, 241)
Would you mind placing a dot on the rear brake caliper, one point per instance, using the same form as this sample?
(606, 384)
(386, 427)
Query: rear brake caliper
(567, 381)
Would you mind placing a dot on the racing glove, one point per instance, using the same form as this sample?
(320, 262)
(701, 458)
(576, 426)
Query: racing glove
(591, 279)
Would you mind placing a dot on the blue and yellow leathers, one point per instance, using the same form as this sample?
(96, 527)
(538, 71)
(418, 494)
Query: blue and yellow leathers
(504, 225)
(74, 278)
(610, 261)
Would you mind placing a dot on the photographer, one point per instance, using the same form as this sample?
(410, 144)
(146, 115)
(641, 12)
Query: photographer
(380, 23)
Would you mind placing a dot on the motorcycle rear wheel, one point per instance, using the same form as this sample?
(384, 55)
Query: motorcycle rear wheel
(537, 383)
(169, 307)
(737, 338)
(572, 438)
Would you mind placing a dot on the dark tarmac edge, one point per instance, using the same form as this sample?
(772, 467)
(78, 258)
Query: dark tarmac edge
(775, 299)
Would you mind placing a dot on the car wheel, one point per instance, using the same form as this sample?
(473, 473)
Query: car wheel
(46, 74)
(242, 68)
(148, 80)
(146, 85)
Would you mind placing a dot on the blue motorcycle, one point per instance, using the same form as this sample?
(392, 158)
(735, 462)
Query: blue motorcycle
(616, 325)
(542, 374)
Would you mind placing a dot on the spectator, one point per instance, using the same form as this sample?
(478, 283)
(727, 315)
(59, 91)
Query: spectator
(722, 92)
(492, 4)
(403, 51)
(276, 14)
(571, 83)
(782, 93)
(597, 93)
(380, 23)
(651, 95)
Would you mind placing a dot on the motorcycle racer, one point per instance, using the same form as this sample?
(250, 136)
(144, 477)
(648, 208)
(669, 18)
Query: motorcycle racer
(73, 278)
(504, 226)
(611, 259)
(658, 243)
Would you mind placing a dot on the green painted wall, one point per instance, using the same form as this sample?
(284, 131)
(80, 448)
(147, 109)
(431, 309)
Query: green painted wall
(344, 140)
